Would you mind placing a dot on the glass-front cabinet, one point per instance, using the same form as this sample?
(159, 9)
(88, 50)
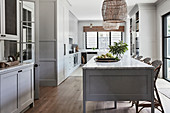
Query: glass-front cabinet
(9, 19)
(22, 48)
(27, 30)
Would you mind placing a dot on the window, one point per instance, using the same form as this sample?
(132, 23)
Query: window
(115, 37)
(166, 46)
(91, 40)
(102, 40)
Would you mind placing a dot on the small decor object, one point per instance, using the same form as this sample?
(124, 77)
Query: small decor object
(3, 65)
(11, 59)
(14, 63)
(93, 48)
(118, 49)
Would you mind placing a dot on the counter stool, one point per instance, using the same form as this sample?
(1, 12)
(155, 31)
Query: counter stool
(157, 101)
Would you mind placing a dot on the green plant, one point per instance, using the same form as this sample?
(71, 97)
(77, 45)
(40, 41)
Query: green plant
(93, 48)
(118, 49)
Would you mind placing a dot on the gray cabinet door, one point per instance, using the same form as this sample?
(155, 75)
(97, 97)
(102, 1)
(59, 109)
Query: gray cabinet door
(9, 92)
(25, 84)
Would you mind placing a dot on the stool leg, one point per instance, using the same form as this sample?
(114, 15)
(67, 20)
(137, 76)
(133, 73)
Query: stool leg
(137, 106)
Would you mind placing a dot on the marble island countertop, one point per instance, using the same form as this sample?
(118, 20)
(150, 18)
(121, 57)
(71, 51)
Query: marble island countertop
(125, 63)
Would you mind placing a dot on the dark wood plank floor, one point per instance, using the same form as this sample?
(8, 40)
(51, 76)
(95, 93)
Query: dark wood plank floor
(67, 98)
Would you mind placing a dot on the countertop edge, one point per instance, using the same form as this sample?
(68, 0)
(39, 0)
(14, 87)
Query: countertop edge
(13, 68)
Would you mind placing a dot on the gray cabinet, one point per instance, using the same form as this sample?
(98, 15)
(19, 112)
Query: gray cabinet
(9, 92)
(25, 84)
(9, 17)
(16, 87)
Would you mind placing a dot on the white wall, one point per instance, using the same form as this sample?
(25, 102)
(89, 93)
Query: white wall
(81, 38)
(162, 9)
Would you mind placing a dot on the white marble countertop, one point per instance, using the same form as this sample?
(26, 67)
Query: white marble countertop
(96, 50)
(125, 63)
(19, 66)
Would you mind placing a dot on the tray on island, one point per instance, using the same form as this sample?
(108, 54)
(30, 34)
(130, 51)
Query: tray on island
(106, 60)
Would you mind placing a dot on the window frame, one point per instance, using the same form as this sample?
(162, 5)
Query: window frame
(164, 45)
(98, 39)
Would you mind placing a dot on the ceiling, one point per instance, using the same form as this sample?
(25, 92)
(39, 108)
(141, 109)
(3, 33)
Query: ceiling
(91, 9)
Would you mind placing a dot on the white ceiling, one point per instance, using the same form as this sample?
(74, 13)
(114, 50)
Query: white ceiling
(91, 9)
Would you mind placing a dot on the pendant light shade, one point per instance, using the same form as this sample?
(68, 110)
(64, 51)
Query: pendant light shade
(114, 11)
(110, 26)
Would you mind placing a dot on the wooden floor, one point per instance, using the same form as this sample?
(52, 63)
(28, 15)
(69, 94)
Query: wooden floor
(67, 98)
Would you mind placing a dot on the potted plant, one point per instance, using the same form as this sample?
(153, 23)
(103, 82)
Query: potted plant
(118, 49)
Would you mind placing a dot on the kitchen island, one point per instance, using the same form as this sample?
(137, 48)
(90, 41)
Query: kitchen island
(126, 80)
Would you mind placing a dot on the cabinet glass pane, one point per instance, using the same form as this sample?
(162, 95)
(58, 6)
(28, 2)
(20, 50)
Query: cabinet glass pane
(28, 11)
(11, 17)
(28, 33)
(11, 48)
(28, 52)
(168, 26)
(103, 40)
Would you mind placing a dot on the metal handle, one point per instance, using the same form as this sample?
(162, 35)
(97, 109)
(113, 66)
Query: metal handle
(19, 71)
(36, 65)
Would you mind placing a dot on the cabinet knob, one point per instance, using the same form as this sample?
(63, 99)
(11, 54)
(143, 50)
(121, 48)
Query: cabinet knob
(3, 35)
(19, 71)
(36, 65)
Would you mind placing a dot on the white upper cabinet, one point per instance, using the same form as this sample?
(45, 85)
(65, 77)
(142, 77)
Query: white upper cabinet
(9, 19)
(73, 27)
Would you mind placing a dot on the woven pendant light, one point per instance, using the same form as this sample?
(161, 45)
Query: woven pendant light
(114, 11)
(110, 26)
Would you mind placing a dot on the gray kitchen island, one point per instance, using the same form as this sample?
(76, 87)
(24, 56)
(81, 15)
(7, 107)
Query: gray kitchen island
(126, 80)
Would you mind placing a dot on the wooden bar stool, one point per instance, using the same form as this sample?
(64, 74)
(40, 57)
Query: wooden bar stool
(157, 64)
(147, 60)
(139, 57)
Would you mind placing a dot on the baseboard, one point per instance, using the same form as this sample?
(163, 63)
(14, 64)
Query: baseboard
(48, 82)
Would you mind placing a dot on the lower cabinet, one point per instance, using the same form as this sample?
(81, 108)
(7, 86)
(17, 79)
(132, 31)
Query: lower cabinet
(9, 93)
(17, 91)
(25, 86)
(69, 63)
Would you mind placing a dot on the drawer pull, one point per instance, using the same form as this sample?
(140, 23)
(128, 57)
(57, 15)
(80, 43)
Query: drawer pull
(19, 71)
